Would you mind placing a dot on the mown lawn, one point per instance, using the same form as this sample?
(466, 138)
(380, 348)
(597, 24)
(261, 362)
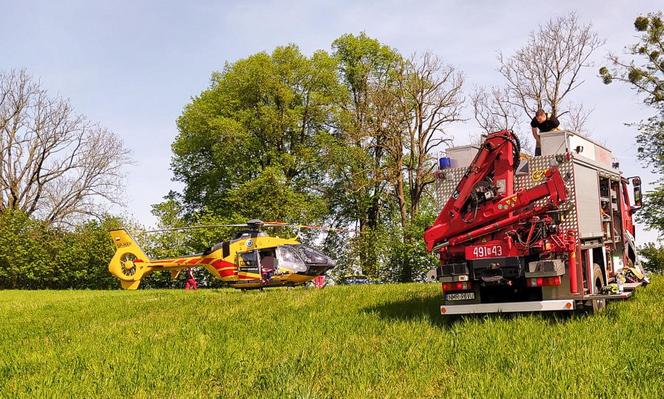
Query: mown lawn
(351, 341)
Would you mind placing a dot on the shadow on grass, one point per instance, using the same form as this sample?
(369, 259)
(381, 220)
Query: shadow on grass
(418, 308)
(428, 308)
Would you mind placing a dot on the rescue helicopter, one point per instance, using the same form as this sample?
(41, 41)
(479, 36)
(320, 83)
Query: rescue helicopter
(251, 260)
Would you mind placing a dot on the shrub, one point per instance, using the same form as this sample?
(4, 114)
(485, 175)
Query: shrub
(652, 257)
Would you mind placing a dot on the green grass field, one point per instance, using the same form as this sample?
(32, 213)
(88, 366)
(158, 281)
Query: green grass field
(345, 341)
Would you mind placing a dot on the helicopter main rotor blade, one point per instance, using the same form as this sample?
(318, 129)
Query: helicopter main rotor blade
(247, 225)
(207, 226)
(302, 226)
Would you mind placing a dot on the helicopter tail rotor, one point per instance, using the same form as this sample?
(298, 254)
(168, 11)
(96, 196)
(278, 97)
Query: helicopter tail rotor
(129, 264)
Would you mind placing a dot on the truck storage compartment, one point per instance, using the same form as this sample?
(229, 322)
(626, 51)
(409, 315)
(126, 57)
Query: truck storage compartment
(451, 270)
(545, 268)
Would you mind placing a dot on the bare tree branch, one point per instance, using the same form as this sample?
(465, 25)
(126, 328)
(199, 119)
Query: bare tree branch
(577, 118)
(494, 112)
(543, 72)
(426, 98)
(54, 164)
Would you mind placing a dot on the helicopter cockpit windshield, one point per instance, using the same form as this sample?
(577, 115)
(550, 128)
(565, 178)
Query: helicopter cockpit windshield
(302, 259)
(288, 260)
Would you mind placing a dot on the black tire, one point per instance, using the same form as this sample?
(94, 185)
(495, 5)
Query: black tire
(599, 283)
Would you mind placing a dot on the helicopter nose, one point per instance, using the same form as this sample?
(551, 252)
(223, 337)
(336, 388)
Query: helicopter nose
(319, 267)
(316, 262)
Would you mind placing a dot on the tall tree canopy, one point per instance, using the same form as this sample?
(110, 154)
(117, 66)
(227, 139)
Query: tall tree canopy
(253, 133)
(365, 67)
(644, 71)
(344, 137)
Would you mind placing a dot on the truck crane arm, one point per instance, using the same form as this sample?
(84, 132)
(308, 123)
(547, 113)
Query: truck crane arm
(486, 194)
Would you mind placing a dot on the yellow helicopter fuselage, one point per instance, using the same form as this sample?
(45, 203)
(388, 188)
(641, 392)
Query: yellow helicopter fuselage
(252, 260)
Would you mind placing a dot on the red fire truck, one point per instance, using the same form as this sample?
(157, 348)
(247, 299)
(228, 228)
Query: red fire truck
(545, 233)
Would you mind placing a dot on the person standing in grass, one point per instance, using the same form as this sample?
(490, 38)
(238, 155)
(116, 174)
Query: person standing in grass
(319, 281)
(191, 281)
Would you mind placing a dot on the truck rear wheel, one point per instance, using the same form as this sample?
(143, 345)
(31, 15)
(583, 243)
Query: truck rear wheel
(599, 283)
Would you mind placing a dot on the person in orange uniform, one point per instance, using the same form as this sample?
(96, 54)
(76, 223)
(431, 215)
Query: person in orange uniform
(191, 281)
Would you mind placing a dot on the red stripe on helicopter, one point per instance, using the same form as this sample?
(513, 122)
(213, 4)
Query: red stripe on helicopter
(224, 268)
(219, 263)
(225, 272)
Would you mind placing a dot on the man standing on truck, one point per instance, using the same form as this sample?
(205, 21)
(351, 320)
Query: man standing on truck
(542, 123)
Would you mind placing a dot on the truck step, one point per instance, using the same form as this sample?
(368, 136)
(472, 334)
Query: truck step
(622, 295)
(632, 286)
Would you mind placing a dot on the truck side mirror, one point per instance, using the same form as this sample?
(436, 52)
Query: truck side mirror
(638, 197)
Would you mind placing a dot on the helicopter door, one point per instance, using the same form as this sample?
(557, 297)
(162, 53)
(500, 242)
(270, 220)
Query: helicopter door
(247, 263)
(268, 263)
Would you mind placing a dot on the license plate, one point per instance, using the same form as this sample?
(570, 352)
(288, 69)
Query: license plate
(488, 250)
(460, 296)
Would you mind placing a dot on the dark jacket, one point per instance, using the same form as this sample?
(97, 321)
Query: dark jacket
(549, 124)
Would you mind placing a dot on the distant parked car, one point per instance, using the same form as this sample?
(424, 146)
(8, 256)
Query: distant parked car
(432, 275)
(356, 279)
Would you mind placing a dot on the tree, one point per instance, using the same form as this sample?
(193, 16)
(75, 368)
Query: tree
(645, 73)
(261, 114)
(646, 77)
(54, 165)
(365, 67)
(547, 69)
(409, 259)
(36, 255)
(427, 100)
(400, 108)
(345, 139)
(355, 156)
(650, 141)
(653, 257)
(494, 112)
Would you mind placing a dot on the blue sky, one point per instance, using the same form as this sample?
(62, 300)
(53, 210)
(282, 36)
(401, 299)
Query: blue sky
(133, 65)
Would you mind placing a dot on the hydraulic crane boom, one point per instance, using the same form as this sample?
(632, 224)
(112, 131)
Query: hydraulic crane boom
(486, 194)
